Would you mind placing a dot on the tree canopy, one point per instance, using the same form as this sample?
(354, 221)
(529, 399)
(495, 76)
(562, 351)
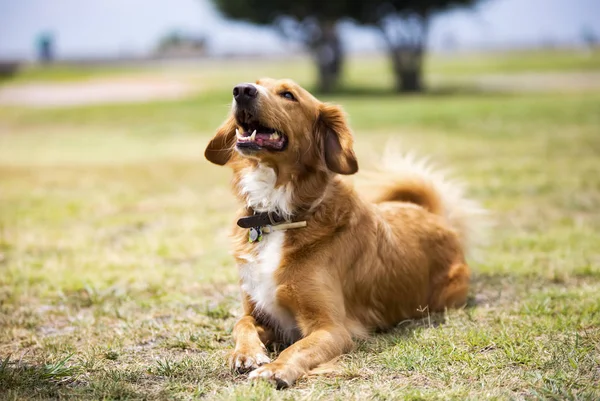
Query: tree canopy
(402, 23)
(363, 11)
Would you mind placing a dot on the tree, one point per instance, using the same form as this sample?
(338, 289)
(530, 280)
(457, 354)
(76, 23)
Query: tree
(310, 22)
(404, 25)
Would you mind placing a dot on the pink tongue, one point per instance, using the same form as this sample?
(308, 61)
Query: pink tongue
(262, 138)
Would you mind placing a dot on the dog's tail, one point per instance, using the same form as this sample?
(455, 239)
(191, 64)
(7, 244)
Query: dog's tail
(405, 178)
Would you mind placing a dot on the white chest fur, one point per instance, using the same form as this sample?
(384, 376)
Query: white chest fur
(258, 186)
(258, 273)
(258, 281)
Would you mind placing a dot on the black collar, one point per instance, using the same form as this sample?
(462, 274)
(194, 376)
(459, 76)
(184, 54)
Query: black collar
(260, 220)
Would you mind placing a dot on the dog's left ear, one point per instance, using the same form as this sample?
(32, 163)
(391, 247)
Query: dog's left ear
(337, 140)
(220, 148)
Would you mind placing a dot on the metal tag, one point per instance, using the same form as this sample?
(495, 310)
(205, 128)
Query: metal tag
(254, 234)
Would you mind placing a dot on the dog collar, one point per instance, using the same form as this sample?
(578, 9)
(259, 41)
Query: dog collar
(260, 220)
(265, 223)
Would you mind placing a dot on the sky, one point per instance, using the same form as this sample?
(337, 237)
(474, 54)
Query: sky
(133, 27)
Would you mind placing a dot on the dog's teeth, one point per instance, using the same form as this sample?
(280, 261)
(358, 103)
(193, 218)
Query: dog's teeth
(274, 136)
(253, 136)
(237, 133)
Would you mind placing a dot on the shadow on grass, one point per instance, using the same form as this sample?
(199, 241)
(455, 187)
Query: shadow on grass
(504, 288)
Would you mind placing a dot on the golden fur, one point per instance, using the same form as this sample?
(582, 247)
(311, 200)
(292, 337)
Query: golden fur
(359, 265)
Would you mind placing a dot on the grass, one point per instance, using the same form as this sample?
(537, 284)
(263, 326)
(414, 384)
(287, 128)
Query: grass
(116, 281)
(209, 73)
(518, 62)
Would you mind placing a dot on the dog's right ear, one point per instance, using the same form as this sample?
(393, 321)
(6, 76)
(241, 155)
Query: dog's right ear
(337, 140)
(220, 148)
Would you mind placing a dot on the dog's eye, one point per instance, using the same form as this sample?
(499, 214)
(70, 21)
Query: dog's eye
(287, 95)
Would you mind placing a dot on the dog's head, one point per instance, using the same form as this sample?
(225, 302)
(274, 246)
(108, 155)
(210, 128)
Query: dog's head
(279, 123)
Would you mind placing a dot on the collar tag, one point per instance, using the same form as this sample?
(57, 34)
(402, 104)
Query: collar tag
(255, 234)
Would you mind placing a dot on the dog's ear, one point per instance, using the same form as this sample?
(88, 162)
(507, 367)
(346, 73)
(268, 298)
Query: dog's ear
(220, 148)
(337, 140)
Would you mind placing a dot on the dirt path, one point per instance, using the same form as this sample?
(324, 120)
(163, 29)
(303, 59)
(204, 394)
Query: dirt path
(116, 90)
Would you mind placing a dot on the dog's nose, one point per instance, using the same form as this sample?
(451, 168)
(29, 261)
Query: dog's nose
(245, 93)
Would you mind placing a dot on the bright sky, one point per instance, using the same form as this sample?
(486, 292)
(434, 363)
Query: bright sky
(112, 27)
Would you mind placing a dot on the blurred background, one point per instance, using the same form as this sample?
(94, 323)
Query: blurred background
(115, 274)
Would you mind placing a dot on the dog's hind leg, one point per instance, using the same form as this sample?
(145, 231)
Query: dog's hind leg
(451, 291)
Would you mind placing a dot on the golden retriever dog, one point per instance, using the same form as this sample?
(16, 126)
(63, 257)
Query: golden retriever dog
(320, 263)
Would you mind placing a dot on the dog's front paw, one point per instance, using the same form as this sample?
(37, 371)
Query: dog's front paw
(282, 375)
(243, 362)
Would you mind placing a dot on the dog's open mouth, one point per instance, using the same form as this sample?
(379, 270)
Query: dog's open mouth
(255, 136)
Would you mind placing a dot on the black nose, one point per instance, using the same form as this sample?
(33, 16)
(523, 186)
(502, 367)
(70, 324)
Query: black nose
(245, 93)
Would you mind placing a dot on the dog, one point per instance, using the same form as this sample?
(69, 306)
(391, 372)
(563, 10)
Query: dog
(321, 264)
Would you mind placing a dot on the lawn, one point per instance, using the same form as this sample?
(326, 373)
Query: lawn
(116, 281)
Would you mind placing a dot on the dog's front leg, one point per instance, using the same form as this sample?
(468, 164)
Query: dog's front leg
(320, 346)
(250, 341)
(321, 319)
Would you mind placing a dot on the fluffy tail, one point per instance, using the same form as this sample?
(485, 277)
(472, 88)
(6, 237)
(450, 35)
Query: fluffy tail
(405, 178)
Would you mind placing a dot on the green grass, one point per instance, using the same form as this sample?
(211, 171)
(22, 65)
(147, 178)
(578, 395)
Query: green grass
(518, 62)
(116, 282)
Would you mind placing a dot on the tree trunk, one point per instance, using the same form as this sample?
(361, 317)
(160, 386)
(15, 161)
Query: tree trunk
(328, 54)
(406, 37)
(408, 67)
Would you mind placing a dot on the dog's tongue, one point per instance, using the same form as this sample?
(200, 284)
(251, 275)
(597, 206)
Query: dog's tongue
(260, 139)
